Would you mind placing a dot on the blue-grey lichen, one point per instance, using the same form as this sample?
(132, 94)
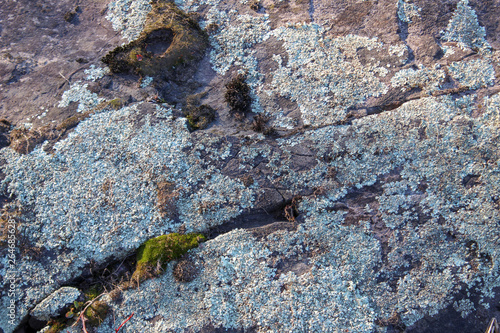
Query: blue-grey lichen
(107, 148)
(107, 169)
(428, 167)
(146, 81)
(464, 306)
(323, 75)
(52, 306)
(128, 17)
(407, 11)
(314, 278)
(232, 46)
(94, 73)
(473, 74)
(427, 79)
(238, 289)
(78, 92)
(464, 27)
(492, 111)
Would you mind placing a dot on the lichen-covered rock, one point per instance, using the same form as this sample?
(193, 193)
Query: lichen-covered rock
(372, 207)
(55, 303)
(473, 74)
(464, 27)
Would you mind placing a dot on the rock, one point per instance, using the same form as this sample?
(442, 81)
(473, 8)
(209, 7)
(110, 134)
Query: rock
(357, 191)
(55, 304)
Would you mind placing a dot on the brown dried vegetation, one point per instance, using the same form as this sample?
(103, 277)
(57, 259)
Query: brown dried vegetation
(238, 97)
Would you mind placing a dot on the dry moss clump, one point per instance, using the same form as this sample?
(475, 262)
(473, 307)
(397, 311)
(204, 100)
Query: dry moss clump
(238, 97)
(155, 253)
(170, 41)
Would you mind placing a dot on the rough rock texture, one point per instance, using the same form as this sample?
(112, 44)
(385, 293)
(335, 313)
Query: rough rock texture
(370, 204)
(53, 305)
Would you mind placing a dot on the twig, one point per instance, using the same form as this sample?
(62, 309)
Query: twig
(116, 331)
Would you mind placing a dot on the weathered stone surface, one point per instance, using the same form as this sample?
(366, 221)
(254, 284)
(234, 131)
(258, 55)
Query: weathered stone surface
(55, 303)
(368, 203)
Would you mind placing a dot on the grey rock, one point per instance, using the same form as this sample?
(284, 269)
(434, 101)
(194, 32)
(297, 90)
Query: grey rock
(55, 303)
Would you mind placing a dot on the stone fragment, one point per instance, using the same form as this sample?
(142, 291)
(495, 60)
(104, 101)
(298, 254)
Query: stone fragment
(55, 303)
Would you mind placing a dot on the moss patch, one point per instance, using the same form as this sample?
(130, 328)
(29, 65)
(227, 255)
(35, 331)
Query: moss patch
(92, 292)
(155, 253)
(170, 40)
(200, 117)
(238, 96)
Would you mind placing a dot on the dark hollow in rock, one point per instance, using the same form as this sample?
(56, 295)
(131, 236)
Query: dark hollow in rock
(158, 41)
(238, 97)
(170, 43)
(470, 181)
(36, 324)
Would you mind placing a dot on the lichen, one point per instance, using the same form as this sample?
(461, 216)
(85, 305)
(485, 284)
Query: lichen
(49, 306)
(79, 93)
(128, 17)
(232, 44)
(473, 74)
(399, 212)
(146, 81)
(427, 79)
(327, 74)
(464, 27)
(94, 73)
(407, 11)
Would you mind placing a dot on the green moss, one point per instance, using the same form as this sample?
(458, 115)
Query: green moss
(170, 39)
(116, 103)
(157, 252)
